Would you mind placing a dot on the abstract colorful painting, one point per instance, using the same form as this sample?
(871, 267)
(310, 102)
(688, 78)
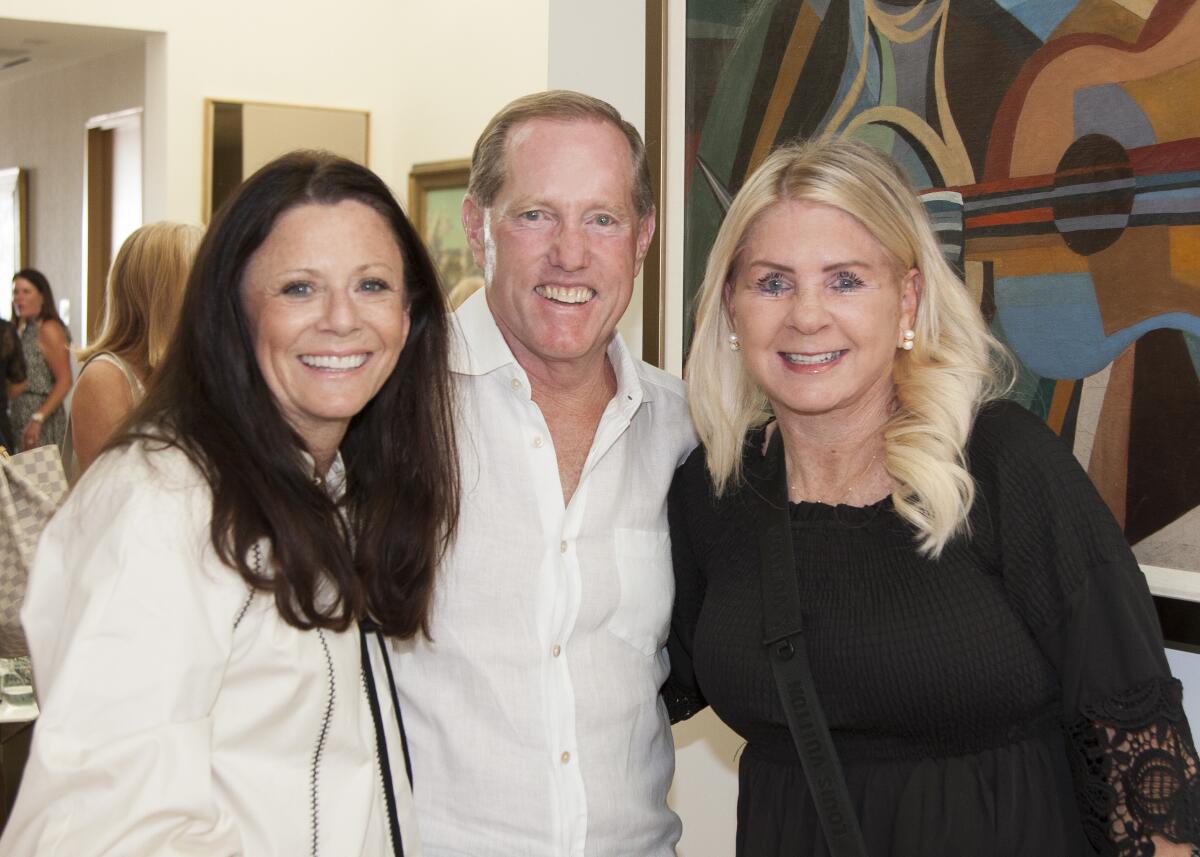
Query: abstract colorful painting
(1058, 145)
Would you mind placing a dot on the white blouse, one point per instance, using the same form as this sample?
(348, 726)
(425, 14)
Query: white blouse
(536, 723)
(179, 713)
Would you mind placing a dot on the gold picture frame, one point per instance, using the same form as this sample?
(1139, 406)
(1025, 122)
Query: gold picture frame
(241, 136)
(14, 225)
(435, 192)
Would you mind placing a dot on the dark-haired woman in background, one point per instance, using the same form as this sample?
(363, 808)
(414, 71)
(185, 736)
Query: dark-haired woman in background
(38, 416)
(205, 613)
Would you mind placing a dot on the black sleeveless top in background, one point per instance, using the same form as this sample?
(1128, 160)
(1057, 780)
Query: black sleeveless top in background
(12, 371)
(1010, 699)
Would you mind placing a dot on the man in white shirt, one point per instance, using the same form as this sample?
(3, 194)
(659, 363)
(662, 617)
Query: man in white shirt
(533, 714)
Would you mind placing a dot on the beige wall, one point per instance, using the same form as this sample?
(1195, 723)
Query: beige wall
(43, 131)
(598, 48)
(429, 74)
(269, 131)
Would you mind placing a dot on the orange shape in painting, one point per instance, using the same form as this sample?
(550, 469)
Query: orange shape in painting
(1046, 127)
(1185, 254)
(1134, 279)
(1026, 255)
(1103, 16)
(1160, 97)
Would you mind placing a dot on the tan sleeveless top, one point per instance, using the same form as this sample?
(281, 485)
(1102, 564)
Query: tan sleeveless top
(136, 389)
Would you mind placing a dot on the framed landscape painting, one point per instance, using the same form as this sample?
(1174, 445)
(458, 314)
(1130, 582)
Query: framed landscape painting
(435, 195)
(13, 227)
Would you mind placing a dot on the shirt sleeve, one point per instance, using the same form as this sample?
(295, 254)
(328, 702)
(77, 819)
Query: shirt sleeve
(681, 691)
(130, 627)
(1072, 575)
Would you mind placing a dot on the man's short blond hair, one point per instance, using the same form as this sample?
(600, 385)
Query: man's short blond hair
(488, 159)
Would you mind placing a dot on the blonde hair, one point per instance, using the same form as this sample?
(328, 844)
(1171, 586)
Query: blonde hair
(463, 289)
(954, 367)
(145, 290)
(488, 159)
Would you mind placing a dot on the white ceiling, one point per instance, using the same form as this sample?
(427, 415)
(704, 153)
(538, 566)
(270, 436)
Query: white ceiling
(29, 48)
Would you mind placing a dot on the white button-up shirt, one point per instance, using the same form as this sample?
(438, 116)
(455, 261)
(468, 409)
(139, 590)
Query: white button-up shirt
(180, 716)
(534, 719)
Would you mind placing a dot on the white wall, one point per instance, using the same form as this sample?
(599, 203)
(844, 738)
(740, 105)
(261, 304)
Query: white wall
(1185, 666)
(269, 131)
(429, 74)
(126, 179)
(43, 130)
(599, 48)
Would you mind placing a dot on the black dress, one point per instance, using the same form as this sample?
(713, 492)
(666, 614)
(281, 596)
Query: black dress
(1010, 698)
(12, 371)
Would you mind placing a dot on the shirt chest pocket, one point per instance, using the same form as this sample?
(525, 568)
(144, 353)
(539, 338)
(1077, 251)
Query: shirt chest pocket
(643, 613)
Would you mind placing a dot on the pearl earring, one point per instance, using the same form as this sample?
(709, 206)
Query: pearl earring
(909, 336)
(735, 344)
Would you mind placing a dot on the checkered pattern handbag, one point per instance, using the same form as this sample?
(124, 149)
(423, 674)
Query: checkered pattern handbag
(32, 487)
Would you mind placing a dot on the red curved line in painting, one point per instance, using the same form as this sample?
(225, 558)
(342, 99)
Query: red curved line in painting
(1009, 218)
(1169, 157)
(1163, 18)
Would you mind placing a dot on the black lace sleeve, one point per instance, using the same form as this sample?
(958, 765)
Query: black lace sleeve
(681, 692)
(1135, 770)
(682, 702)
(1074, 580)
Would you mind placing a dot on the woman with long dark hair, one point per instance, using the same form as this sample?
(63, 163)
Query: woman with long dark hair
(38, 416)
(205, 613)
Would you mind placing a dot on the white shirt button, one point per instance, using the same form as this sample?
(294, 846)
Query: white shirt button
(537, 442)
(516, 383)
(557, 650)
(562, 547)
(565, 757)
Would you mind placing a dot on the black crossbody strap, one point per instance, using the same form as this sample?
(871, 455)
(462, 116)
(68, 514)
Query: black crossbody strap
(783, 636)
(365, 628)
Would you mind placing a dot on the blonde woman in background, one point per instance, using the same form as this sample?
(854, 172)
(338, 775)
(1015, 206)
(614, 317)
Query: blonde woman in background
(145, 290)
(463, 289)
(980, 636)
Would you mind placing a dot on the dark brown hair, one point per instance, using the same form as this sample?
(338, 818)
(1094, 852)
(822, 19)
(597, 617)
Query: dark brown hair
(38, 280)
(211, 401)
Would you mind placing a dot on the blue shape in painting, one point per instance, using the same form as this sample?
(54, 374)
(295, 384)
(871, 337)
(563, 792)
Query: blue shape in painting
(1040, 17)
(854, 51)
(1111, 111)
(1052, 322)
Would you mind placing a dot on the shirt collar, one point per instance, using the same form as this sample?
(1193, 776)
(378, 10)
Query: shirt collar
(334, 481)
(479, 349)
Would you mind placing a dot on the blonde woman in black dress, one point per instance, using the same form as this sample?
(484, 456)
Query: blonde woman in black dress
(980, 636)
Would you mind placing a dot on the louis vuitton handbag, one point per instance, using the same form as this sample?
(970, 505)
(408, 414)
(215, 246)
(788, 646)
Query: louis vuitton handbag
(32, 487)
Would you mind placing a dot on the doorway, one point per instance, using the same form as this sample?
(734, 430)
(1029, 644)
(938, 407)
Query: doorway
(112, 203)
